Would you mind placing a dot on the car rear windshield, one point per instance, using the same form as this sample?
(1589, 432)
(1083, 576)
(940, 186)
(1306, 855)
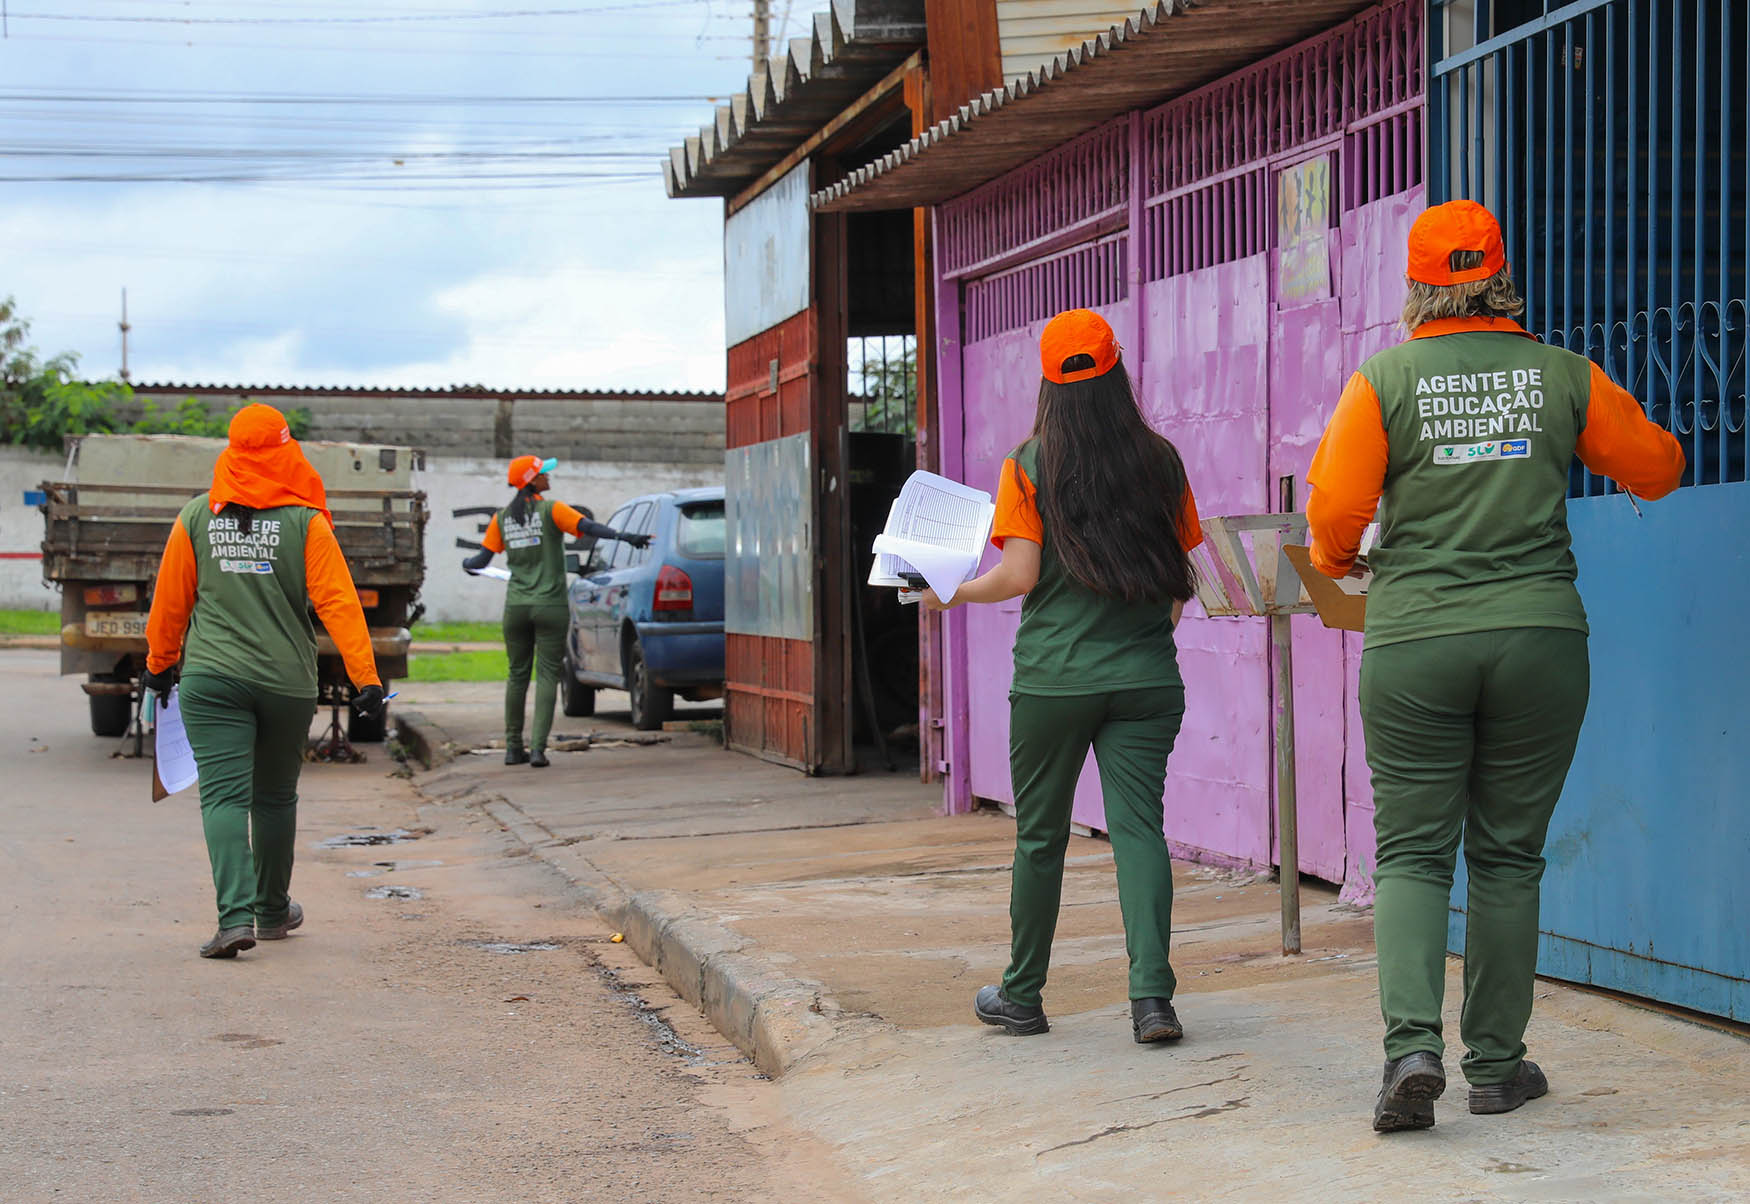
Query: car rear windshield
(700, 535)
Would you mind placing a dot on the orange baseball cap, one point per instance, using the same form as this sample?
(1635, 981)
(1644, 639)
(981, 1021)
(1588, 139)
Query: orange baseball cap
(1455, 226)
(524, 469)
(1077, 332)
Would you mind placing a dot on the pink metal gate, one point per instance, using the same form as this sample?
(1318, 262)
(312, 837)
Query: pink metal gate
(1241, 317)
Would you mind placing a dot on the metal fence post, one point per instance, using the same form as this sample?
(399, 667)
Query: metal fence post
(1287, 818)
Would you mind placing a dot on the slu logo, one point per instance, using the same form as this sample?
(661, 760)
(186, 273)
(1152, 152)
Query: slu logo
(1478, 453)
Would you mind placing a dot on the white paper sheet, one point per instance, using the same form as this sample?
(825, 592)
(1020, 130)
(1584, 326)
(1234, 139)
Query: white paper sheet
(936, 528)
(493, 571)
(176, 767)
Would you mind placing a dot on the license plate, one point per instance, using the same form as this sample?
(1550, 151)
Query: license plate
(123, 626)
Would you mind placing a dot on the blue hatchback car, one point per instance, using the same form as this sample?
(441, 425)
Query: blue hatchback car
(650, 620)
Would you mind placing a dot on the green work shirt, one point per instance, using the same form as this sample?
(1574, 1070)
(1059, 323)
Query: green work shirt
(1481, 428)
(251, 619)
(1071, 639)
(535, 550)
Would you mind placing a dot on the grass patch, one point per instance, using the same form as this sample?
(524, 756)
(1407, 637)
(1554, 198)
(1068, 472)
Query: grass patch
(458, 633)
(29, 622)
(458, 666)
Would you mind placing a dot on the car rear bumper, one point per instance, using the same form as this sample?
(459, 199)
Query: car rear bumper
(683, 654)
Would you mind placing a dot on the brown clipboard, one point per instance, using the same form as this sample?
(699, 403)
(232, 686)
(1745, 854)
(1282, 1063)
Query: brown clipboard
(1337, 609)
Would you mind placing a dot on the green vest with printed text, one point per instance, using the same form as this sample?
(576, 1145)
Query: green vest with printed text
(1481, 428)
(251, 619)
(535, 550)
(1074, 641)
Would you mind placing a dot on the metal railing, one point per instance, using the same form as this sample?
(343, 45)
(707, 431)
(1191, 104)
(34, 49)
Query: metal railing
(1610, 136)
(883, 384)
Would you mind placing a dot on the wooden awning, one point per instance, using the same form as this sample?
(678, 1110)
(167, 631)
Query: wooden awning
(853, 45)
(1170, 48)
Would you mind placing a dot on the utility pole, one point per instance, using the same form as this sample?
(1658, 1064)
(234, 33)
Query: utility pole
(762, 34)
(125, 328)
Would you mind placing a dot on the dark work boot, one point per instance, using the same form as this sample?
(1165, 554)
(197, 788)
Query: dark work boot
(515, 754)
(228, 942)
(1154, 1020)
(991, 1007)
(1406, 1098)
(538, 759)
(1528, 1083)
(277, 932)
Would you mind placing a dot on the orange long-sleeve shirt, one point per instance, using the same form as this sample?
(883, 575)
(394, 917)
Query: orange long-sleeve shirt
(1349, 471)
(327, 583)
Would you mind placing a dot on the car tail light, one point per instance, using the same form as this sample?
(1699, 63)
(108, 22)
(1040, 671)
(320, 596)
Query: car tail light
(674, 590)
(111, 595)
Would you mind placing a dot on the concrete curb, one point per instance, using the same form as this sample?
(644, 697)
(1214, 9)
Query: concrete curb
(775, 1018)
(421, 736)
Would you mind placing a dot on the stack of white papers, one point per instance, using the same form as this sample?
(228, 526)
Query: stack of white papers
(937, 530)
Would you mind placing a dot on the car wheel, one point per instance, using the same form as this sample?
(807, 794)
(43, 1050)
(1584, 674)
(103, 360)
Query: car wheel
(111, 714)
(651, 704)
(575, 698)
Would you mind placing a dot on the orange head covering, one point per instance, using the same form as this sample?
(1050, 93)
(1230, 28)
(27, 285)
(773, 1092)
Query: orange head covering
(264, 466)
(524, 469)
(1077, 332)
(1455, 226)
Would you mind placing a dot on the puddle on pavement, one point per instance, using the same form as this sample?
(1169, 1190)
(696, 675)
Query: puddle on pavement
(394, 892)
(365, 837)
(393, 866)
(514, 946)
(203, 1111)
(364, 873)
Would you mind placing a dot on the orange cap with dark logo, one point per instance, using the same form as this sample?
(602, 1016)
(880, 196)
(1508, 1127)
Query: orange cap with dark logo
(1077, 332)
(1455, 226)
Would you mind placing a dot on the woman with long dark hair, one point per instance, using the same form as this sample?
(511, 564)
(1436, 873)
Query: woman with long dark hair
(1095, 520)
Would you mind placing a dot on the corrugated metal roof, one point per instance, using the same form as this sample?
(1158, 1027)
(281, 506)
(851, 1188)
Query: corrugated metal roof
(853, 44)
(1169, 48)
(457, 392)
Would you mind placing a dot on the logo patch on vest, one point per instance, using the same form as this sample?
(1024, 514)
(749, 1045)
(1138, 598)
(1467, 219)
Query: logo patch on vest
(1478, 453)
(246, 566)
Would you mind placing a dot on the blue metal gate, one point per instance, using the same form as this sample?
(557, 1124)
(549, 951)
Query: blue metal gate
(1610, 136)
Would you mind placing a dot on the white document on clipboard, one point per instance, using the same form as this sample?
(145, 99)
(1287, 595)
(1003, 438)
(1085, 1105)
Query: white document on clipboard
(937, 529)
(176, 767)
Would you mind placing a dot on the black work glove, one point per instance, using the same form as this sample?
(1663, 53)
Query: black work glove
(369, 702)
(637, 541)
(478, 560)
(159, 684)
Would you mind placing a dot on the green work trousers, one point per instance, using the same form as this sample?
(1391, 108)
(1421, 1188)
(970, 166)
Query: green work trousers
(248, 745)
(534, 636)
(1132, 734)
(1473, 735)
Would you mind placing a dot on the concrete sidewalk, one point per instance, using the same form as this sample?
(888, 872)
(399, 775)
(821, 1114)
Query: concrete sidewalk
(836, 930)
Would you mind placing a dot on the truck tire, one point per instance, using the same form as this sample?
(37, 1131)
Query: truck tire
(111, 714)
(575, 698)
(363, 730)
(651, 704)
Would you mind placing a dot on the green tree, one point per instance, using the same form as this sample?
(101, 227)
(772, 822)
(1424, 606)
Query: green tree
(41, 401)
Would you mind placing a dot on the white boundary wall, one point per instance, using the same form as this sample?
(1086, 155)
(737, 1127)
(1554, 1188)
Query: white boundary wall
(449, 484)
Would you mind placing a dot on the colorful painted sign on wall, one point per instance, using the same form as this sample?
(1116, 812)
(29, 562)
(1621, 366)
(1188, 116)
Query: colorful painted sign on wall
(1303, 226)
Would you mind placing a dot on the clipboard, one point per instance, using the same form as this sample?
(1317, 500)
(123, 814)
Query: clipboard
(1338, 608)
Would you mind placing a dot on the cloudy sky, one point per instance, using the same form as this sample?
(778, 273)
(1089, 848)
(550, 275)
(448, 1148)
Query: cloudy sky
(383, 191)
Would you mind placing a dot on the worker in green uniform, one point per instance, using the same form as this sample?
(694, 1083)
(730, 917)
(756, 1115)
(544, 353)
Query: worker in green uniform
(245, 563)
(1476, 674)
(532, 530)
(1095, 520)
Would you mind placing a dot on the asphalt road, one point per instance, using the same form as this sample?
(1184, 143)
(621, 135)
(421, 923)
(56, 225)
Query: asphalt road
(407, 1047)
